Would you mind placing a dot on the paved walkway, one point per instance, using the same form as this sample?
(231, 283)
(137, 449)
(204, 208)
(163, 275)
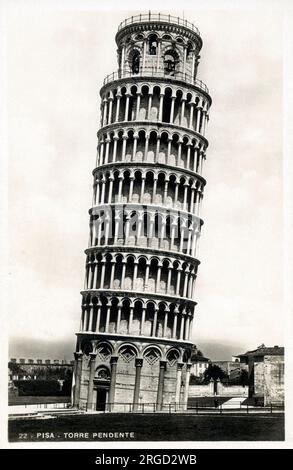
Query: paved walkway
(234, 402)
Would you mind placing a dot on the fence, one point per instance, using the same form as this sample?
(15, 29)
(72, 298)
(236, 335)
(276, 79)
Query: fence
(27, 408)
(196, 408)
(158, 17)
(158, 73)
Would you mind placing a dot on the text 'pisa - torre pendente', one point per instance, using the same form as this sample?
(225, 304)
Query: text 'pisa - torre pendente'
(134, 343)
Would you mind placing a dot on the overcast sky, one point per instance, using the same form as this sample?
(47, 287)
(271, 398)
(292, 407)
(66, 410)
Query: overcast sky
(56, 63)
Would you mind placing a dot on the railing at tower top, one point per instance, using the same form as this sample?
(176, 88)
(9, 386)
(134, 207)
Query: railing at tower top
(157, 73)
(158, 17)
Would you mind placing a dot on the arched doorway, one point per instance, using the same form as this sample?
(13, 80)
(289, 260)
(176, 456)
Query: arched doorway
(101, 386)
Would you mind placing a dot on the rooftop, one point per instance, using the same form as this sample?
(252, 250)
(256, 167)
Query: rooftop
(265, 351)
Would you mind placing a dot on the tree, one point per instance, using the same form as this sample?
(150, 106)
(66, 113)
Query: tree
(214, 372)
(196, 352)
(243, 379)
(15, 368)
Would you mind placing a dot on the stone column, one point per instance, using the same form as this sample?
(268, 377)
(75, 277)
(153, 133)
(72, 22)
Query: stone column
(123, 58)
(78, 359)
(158, 280)
(120, 177)
(98, 317)
(158, 54)
(190, 231)
(147, 271)
(124, 138)
(118, 318)
(130, 319)
(138, 366)
(178, 382)
(101, 152)
(90, 277)
(158, 149)
(137, 106)
(198, 113)
(131, 187)
(117, 107)
(111, 398)
(142, 320)
(104, 122)
(149, 105)
(155, 322)
(190, 328)
(165, 323)
(174, 333)
(191, 116)
(173, 228)
(176, 194)
(107, 318)
(91, 313)
(94, 285)
(182, 111)
(188, 156)
(178, 281)
(102, 274)
(134, 274)
(115, 138)
(146, 149)
(144, 53)
(135, 139)
(161, 385)
(185, 282)
(154, 188)
(111, 179)
(108, 140)
(172, 109)
(193, 68)
(126, 107)
(142, 189)
(186, 332)
(169, 149)
(161, 107)
(110, 110)
(123, 273)
(186, 185)
(90, 404)
(103, 190)
(186, 388)
(166, 191)
(179, 152)
(97, 198)
(169, 279)
(182, 326)
(192, 199)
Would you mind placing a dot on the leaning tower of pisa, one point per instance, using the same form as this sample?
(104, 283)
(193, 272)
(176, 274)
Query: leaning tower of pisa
(138, 303)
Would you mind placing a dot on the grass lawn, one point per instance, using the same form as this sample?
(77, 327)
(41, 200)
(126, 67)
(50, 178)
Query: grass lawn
(154, 427)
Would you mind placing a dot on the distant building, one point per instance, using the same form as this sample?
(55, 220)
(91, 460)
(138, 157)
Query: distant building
(265, 373)
(199, 365)
(231, 368)
(37, 369)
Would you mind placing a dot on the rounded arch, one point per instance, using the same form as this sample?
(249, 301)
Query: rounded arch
(152, 354)
(127, 352)
(171, 60)
(104, 350)
(172, 356)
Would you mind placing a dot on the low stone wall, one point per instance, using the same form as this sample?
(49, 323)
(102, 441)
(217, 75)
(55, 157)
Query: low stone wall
(232, 390)
(222, 390)
(201, 390)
